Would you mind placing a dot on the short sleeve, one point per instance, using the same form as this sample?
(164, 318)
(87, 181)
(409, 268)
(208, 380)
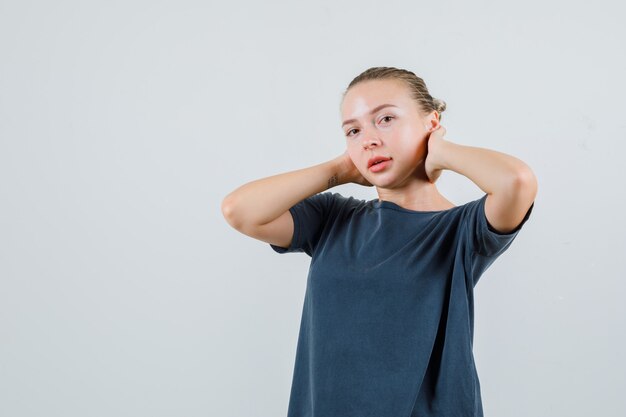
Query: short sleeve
(309, 217)
(484, 243)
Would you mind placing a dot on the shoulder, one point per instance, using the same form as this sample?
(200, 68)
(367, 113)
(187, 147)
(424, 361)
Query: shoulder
(339, 199)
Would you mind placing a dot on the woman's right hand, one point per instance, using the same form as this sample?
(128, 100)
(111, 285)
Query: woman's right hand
(349, 171)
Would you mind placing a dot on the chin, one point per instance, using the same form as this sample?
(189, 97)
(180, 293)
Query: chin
(381, 182)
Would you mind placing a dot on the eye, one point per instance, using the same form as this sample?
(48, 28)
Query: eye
(383, 118)
(348, 134)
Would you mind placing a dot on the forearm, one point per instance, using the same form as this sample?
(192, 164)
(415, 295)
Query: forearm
(490, 170)
(261, 201)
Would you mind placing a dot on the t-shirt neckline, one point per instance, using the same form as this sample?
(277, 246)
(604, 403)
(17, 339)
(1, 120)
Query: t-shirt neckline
(376, 203)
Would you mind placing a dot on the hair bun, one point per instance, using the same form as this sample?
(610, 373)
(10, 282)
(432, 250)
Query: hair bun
(440, 105)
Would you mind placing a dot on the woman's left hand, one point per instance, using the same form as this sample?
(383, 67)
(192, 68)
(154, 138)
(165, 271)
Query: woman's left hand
(436, 143)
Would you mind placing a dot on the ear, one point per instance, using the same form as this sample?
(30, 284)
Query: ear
(432, 121)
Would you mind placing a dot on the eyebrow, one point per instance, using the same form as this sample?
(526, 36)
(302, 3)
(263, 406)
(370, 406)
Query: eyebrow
(374, 110)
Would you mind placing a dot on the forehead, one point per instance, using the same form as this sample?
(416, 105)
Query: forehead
(368, 94)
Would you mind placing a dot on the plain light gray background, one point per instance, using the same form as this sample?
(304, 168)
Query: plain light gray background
(123, 124)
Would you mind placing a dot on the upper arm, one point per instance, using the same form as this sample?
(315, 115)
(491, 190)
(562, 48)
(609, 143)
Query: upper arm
(278, 232)
(296, 230)
(505, 211)
(486, 242)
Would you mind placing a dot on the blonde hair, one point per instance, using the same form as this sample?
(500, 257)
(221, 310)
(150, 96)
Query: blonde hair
(416, 85)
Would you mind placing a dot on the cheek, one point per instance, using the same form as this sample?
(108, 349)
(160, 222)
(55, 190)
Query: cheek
(354, 155)
(352, 150)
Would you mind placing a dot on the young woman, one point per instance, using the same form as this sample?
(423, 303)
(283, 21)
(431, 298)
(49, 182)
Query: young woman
(388, 316)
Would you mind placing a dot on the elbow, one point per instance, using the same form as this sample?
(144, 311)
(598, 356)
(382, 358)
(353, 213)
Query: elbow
(228, 208)
(525, 182)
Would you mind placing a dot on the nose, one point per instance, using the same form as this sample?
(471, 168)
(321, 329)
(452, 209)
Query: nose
(370, 139)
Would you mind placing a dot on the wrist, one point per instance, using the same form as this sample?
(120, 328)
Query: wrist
(338, 172)
(334, 174)
(444, 151)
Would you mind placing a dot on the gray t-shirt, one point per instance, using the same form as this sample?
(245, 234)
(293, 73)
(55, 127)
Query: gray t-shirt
(388, 316)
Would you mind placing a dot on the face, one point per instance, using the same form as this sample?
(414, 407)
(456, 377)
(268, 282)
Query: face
(399, 131)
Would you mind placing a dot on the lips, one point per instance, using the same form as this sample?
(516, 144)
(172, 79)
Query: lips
(374, 160)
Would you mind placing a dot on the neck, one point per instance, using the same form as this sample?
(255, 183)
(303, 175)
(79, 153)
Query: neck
(418, 195)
